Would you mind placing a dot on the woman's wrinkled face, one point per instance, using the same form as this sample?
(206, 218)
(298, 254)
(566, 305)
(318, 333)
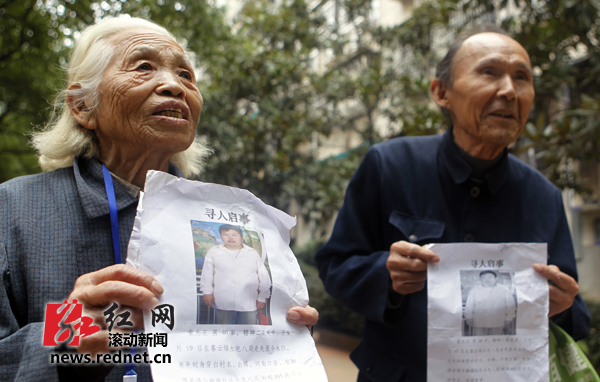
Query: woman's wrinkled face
(148, 96)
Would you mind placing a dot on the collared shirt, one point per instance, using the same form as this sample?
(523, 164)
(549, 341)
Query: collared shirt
(419, 189)
(237, 278)
(130, 188)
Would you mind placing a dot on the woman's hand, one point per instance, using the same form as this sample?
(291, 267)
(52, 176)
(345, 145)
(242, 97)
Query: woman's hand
(130, 288)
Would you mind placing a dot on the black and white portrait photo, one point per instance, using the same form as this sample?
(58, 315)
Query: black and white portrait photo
(489, 302)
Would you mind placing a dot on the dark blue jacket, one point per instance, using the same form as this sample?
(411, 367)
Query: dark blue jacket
(419, 189)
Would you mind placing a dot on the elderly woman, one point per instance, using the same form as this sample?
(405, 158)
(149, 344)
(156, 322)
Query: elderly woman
(131, 105)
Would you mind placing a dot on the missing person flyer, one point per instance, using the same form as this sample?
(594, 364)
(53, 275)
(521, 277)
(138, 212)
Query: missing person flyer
(487, 313)
(229, 278)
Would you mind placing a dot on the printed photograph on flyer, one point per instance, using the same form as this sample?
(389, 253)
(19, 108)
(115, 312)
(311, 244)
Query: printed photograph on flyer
(489, 302)
(233, 277)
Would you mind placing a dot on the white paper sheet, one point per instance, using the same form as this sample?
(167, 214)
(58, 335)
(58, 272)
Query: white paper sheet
(464, 340)
(176, 224)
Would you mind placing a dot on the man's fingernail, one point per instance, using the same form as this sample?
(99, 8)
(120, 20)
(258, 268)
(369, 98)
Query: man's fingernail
(537, 267)
(293, 315)
(157, 288)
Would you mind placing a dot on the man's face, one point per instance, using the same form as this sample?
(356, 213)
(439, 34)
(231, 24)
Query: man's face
(491, 95)
(488, 279)
(232, 239)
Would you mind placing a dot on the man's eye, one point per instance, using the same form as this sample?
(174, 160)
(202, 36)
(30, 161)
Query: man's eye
(145, 66)
(186, 75)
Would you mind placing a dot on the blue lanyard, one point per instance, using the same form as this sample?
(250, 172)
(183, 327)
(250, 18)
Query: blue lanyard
(112, 207)
(114, 226)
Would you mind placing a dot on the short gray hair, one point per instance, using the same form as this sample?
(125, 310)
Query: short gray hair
(63, 138)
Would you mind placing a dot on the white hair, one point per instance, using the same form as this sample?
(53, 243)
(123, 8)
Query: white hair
(63, 138)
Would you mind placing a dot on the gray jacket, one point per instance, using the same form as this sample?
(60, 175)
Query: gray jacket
(54, 227)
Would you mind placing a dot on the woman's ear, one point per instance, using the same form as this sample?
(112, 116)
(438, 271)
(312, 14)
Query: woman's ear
(79, 110)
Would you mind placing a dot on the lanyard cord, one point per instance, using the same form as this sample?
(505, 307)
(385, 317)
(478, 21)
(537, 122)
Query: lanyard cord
(114, 226)
(112, 207)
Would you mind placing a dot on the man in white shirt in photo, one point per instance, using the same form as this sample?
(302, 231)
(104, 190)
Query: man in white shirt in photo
(234, 279)
(490, 307)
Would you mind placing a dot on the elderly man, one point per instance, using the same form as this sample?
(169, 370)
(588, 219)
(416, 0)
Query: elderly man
(234, 279)
(462, 186)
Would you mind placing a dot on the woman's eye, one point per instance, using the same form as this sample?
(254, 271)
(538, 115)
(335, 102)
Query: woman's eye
(145, 66)
(186, 75)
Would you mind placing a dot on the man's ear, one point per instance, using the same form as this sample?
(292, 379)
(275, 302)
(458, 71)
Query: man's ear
(79, 110)
(439, 93)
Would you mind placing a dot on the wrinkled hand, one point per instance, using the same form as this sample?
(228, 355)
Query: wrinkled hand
(131, 288)
(563, 288)
(260, 305)
(307, 316)
(209, 299)
(407, 265)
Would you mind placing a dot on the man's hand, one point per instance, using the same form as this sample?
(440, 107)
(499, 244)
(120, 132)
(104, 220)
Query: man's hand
(260, 305)
(307, 316)
(407, 264)
(129, 287)
(563, 288)
(209, 299)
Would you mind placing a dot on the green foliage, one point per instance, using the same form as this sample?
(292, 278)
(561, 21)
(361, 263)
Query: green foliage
(562, 40)
(261, 100)
(332, 314)
(591, 344)
(319, 189)
(26, 81)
